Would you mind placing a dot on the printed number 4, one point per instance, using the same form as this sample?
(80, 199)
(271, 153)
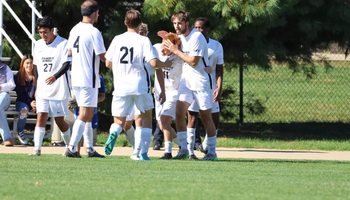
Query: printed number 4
(76, 44)
(46, 66)
(125, 49)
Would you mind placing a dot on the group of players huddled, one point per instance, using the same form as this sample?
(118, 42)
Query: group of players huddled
(189, 75)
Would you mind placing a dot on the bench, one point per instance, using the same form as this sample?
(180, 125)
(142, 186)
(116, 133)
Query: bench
(31, 119)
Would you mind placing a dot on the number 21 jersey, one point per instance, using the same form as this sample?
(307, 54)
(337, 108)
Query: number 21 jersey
(48, 59)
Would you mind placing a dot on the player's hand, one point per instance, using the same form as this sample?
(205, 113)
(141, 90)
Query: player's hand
(162, 98)
(50, 80)
(33, 105)
(208, 69)
(153, 91)
(170, 46)
(162, 33)
(217, 95)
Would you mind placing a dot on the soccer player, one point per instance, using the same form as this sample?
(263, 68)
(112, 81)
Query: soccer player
(132, 82)
(87, 49)
(165, 113)
(216, 60)
(195, 84)
(52, 63)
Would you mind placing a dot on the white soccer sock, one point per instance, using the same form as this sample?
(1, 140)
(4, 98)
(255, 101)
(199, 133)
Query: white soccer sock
(77, 132)
(205, 141)
(137, 140)
(88, 137)
(66, 136)
(182, 135)
(191, 135)
(176, 141)
(146, 138)
(39, 133)
(211, 144)
(168, 147)
(129, 134)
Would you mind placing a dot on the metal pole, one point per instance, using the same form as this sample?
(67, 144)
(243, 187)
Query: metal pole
(17, 19)
(33, 26)
(241, 93)
(1, 26)
(11, 42)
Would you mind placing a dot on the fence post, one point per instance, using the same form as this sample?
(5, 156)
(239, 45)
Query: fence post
(241, 93)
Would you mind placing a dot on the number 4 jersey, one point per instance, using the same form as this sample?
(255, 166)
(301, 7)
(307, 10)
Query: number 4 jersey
(48, 59)
(128, 52)
(86, 43)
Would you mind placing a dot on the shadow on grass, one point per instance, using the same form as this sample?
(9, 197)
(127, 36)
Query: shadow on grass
(286, 131)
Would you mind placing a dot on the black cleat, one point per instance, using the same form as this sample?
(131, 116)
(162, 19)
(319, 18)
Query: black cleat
(193, 157)
(200, 148)
(166, 156)
(196, 146)
(68, 153)
(156, 146)
(95, 154)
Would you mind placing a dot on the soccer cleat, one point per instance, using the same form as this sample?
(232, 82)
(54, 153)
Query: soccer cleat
(193, 157)
(166, 156)
(144, 157)
(22, 139)
(110, 143)
(182, 154)
(209, 157)
(156, 146)
(200, 148)
(70, 154)
(36, 153)
(135, 157)
(94, 154)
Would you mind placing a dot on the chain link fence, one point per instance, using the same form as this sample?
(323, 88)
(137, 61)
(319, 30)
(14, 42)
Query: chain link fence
(280, 96)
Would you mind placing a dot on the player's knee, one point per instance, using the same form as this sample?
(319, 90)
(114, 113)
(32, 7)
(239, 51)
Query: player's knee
(23, 113)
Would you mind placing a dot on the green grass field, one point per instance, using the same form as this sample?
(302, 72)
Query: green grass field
(258, 143)
(57, 177)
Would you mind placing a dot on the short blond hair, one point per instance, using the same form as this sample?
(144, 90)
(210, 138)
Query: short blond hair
(144, 26)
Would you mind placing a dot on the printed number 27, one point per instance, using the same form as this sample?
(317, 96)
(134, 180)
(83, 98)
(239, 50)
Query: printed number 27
(125, 49)
(76, 44)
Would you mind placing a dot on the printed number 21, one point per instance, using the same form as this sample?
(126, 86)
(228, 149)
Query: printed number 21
(76, 44)
(125, 49)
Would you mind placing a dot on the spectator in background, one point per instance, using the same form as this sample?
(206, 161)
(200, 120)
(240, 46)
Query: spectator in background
(6, 84)
(25, 89)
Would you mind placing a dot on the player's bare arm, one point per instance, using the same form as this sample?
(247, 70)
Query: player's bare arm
(219, 78)
(159, 64)
(191, 60)
(109, 64)
(102, 57)
(160, 78)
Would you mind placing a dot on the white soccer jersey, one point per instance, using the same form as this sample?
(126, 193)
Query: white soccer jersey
(216, 57)
(128, 52)
(86, 43)
(172, 75)
(48, 59)
(195, 78)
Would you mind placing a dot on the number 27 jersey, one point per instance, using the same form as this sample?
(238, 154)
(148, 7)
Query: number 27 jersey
(48, 59)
